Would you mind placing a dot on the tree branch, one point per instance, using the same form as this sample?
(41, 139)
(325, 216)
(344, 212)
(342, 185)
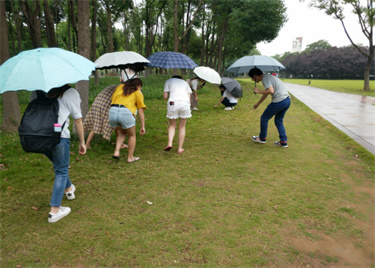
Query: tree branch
(192, 20)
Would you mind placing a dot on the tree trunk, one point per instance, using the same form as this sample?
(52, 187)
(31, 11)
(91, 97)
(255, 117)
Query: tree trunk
(18, 26)
(93, 37)
(93, 30)
(221, 41)
(203, 36)
(84, 49)
(370, 60)
(33, 21)
(73, 21)
(50, 25)
(175, 30)
(126, 35)
(109, 25)
(11, 108)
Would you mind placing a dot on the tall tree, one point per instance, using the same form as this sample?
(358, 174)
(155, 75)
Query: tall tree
(18, 23)
(84, 49)
(50, 25)
(93, 29)
(178, 39)
(11, 110)
(72, 18)
(31, 11)
(365, 14)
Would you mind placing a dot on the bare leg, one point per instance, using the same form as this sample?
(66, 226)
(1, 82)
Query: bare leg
(171, 131)
(181, 133)
(131, 143)
(89, 139)
(123, 146)
(119, 141)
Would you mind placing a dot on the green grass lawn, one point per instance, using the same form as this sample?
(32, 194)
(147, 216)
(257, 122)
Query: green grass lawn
(344, 86)
(224, 202)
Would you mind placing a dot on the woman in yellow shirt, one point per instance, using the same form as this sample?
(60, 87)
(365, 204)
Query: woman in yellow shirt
(126, 100)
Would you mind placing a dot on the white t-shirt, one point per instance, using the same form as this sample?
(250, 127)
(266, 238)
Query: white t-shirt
(194, 84)
(69, 104)
(128, 75)
(178, 89)
(230, 97)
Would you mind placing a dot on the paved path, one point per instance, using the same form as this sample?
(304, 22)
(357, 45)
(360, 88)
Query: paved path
(352, 114)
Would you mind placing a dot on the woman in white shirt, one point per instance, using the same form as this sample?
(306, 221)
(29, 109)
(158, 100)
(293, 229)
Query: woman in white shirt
(178, 92)
(69, 105)
(228, 100)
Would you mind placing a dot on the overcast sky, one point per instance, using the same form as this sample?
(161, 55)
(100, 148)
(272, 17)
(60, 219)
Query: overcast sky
(312, 25)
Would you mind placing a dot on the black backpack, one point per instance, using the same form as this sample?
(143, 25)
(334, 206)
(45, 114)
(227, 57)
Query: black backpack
(36, 129)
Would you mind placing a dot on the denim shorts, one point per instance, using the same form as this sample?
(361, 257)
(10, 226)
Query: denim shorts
(121, 116)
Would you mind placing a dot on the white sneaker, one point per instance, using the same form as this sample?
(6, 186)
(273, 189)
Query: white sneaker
(228, 109)
(70, 195)
(195, 109)
(54, 217)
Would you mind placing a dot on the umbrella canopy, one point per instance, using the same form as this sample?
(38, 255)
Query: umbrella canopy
(123, 60)
(232, 86)
(171, 60)
(208, 74)
(43, 69)
(265, 63)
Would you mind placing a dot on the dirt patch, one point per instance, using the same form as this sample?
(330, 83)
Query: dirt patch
(339, 250)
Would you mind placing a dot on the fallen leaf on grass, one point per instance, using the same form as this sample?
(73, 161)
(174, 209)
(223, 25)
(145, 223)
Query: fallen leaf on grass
(35, 208)
(9, 187)
(149, 203)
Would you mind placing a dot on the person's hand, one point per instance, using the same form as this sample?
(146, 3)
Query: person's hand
(196, 98)
(256, 90)
(215, 106)
(82, 149)
(255, 106)
(142, 131)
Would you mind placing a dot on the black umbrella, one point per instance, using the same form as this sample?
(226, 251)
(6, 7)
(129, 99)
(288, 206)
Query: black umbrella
(232, 86)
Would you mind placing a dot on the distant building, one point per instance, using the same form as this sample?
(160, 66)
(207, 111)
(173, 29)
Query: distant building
(297, 45)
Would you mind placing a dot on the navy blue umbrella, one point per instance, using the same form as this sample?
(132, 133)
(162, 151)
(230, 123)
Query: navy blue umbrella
(171, 60)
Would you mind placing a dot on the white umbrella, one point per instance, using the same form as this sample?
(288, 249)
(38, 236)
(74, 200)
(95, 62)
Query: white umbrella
(208, 74)
(122, 60)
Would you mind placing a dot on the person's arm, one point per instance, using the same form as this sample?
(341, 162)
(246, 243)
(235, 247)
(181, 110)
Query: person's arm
(195, 95)
(141, 113)
(268, 91)
(166, 95)
(220, 101)
(80, 133)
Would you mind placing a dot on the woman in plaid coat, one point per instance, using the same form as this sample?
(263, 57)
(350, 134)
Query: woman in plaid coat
(96, 120)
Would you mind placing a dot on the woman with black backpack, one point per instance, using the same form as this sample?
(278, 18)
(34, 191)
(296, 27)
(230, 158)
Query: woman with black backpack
(69, 105)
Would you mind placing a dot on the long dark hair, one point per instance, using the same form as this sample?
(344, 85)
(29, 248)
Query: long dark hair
(57, 92)
(131, 86)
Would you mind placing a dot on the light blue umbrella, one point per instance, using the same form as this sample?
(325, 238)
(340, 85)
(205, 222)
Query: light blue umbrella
(43, 69)
(171, 60)
(265, 63)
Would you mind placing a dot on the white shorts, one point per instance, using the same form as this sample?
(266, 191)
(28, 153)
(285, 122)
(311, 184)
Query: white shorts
(178, 109)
